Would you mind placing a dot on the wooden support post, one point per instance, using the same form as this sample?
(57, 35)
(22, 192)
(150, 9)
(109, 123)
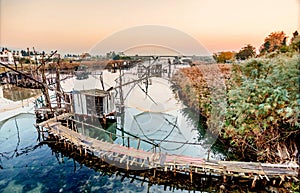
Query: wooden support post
(191, 176)
(80, 151)
(72, 125)
(123, 158)
(110, 137)
(282, 179)
(254, 182)
(127, 164)
(132, 161)
(39, 132)
(57, 82)
(43, 135)
(174, 170)
(139, 142)
(133, 179)
(82, 127)
(142, 184)
(45, 89)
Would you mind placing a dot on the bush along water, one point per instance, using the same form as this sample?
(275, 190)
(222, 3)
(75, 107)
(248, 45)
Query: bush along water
(262, 119)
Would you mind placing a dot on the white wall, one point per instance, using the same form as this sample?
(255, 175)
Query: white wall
(79, 103)
(1, 92)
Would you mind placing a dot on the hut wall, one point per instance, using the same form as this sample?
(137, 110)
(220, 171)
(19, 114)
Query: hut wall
(79, 103)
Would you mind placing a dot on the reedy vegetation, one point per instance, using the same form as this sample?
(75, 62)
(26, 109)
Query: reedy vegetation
(261, 117)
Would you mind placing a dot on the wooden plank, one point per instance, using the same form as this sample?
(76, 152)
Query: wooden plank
(54, 119)
(182, 163)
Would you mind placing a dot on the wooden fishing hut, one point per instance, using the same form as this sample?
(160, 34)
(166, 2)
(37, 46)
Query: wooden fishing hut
(94, 105)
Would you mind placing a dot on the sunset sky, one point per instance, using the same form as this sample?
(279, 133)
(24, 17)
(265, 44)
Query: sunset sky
(76, 26)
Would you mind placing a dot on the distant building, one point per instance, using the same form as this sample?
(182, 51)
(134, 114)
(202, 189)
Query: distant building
(36, 58)
(86, 56)
(72, 57)
(7, 57)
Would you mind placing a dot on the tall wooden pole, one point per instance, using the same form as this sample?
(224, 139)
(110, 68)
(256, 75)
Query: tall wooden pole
(45, 89)
(57, 82)
(122, 108)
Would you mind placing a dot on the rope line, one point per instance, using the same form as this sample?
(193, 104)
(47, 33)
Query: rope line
(174, 125)
(174, 149)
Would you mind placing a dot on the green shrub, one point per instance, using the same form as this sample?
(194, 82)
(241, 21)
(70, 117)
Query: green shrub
(263, 107)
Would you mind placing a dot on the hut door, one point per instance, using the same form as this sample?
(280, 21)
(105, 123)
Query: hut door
(90, 105)
(99, 105)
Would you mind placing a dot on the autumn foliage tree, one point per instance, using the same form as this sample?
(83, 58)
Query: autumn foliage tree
(246, 52)
(273, 42)
(223, 57)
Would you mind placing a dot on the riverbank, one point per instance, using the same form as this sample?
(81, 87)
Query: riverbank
(69, 65)
(196, 84)
(15, 100)
(260, 118)
(10, 108)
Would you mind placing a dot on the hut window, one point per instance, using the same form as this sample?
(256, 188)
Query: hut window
(90, 105)
(94, 105)
(99, 105)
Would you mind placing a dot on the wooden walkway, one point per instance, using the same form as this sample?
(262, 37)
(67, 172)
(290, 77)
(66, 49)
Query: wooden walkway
(131, 158)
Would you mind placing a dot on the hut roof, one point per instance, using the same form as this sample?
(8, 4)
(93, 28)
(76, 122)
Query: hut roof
(95, 92)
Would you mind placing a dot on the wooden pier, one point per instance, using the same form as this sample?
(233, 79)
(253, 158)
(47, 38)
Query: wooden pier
(137, 159)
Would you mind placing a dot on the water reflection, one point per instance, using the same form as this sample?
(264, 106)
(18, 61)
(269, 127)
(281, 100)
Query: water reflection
(15, 93)
(147, 107)
(153, 180)
(16, 137)
(152, 111)
(92, 130)
(29, 165)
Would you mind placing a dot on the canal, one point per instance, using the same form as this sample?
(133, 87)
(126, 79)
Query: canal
(29, 164)
(152, 111)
